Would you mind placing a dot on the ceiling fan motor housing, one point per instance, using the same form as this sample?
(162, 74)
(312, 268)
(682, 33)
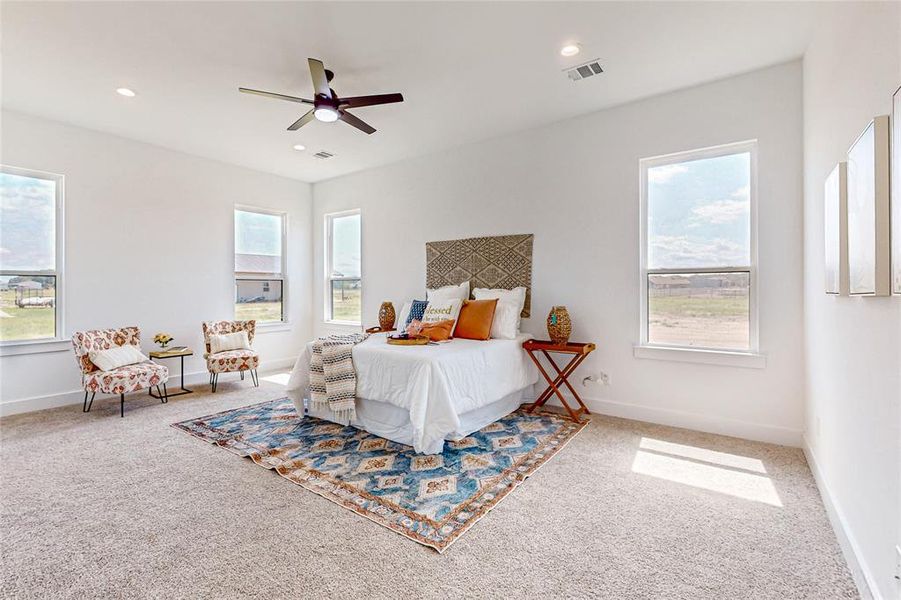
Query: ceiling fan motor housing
(327, 106)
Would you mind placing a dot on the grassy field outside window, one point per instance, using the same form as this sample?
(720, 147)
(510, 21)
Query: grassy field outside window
(26, 323)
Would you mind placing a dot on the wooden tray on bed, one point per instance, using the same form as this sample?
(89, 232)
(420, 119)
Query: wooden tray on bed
(419, 340)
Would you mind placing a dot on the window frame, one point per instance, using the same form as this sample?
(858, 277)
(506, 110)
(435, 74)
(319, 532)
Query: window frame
(328, 219)
(249, 276)
(59, 333)
(732, 357)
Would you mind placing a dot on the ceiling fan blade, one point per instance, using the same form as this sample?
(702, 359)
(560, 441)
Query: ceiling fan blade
(358, 101)
(276, 96)
(358, 123)
(320, 81)
(302, 121)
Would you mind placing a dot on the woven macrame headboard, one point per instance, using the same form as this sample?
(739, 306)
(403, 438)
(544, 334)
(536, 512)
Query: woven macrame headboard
(503, 261)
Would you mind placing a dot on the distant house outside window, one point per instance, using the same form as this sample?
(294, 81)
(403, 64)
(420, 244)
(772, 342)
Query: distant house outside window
(344, 284)
(699, 270)
(31, 255)
(260, 265)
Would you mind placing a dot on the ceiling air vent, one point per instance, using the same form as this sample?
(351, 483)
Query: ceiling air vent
(589, 69)
(323, 154)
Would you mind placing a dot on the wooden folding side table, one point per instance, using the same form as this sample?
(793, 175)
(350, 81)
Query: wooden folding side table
(579, 352)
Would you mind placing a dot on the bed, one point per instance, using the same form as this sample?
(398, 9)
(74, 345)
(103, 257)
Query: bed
(423, 395)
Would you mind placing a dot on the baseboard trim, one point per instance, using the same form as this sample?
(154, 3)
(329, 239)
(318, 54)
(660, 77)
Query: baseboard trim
(772, 434)
(24, 405)
(861, 573)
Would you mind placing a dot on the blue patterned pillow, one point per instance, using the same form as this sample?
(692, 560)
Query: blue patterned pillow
(416, 311)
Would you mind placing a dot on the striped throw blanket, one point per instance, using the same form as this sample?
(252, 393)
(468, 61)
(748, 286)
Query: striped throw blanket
(333, 380)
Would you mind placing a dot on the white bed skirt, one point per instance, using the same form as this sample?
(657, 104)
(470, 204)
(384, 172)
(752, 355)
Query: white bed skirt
(393, 423)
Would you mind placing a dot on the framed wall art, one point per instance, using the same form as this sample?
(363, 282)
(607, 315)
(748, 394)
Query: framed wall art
(896, 192)
(835, 216)
(868, 211)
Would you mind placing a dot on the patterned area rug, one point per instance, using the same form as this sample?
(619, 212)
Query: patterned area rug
(432, 499)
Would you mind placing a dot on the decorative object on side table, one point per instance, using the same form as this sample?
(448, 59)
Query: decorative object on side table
(180, 352)
(559, 326)
(579, 353)
(387, 316)
(162, 339)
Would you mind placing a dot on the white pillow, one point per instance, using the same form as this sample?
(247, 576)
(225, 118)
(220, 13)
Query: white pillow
(443, 310)
(229, 341)
(118, 356)
(505, 325)
(515, 297)
(449, 292)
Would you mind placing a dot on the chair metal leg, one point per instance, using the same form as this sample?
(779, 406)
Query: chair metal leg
(165, 394)
(256, 378)
(242, 375)
(86, 407)
(121, 405)
(215, 381)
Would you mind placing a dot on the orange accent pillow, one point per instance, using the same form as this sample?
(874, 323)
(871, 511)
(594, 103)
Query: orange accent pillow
(438, 331)
(476, 316)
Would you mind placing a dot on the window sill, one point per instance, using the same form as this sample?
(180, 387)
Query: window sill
(748, 360)
(273, 327)
(344, 324)
(35, 347)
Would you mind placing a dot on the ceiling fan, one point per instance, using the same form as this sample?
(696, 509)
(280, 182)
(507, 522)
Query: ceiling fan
(327, 106)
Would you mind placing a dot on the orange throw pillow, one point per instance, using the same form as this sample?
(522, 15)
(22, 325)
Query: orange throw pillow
(438, 331)
(475, 319)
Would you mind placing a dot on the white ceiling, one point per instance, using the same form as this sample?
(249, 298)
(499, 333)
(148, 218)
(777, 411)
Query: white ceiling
(468, 71)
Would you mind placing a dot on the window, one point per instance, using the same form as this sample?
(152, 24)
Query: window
(698, 249)
(31, 260)
(344, 287)
(260, 265)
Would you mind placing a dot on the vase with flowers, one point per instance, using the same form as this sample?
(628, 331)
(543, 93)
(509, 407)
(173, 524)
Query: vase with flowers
(162, 339)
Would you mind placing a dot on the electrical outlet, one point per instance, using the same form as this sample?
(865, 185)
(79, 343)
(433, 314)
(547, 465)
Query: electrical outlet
(599, 378)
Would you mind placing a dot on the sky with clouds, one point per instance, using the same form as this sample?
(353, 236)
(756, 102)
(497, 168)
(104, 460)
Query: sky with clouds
(699, 213)
(346, 241)
(27, 223)
(257, 233)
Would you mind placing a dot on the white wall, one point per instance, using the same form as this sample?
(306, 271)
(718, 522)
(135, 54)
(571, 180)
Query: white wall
(853, 345)
(574, 184)
(149, 242)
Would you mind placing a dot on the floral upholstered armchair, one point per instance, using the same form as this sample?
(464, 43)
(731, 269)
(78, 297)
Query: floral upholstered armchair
(230, 361)
(121, 380)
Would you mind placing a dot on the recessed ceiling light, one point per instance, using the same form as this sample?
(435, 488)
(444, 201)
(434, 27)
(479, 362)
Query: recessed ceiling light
(300, 147)
(126, 92)
(570, 50)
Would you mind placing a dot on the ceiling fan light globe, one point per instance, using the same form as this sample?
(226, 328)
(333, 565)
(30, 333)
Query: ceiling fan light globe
(326, 115)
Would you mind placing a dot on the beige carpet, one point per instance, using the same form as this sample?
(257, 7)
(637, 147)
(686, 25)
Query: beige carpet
(98, 506)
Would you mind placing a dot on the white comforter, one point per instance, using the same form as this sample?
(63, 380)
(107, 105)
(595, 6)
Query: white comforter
(435, 383)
